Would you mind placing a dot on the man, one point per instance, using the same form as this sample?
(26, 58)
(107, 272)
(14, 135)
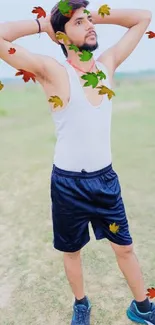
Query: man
(84, 186)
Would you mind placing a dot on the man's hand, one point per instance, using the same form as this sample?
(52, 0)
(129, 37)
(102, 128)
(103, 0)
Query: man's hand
(48, 27)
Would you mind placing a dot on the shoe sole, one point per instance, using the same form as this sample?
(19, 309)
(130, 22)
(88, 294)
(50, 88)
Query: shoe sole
(137, 319)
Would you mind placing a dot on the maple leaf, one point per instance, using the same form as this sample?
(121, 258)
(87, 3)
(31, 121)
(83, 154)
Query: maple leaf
(85, 11)
(101, 75)
(91, 78)
(62, 36)
(1, 85)
(26, 75)
(151, 293)
(56, 100)
(12, 50)
(114, 228)
(85, 55)
(150, 34)
(40, 11)
(65, 8)
(104, 10)
(73, 47)
(104, 90)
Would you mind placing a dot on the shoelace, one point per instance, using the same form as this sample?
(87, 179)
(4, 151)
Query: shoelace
(80, 315)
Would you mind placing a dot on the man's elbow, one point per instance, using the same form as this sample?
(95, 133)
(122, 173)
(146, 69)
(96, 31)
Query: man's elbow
(148, 15)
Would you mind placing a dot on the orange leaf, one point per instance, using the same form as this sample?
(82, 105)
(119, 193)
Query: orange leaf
(12, 50)
(40, 11)
(151, 293)
(26, 75)
(151, 34)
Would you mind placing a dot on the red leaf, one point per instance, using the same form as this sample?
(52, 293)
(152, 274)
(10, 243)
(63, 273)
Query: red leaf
(26, 75)
(40, 11)
(69, 14)
(12, 50)
(151, 34)
(151, 293)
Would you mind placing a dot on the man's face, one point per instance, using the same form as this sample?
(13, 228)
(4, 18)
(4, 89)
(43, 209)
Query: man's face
(80, 31)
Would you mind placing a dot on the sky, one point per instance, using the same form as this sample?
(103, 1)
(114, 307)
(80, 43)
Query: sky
(142, 58)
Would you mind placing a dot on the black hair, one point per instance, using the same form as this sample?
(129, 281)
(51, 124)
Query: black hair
(58, 20)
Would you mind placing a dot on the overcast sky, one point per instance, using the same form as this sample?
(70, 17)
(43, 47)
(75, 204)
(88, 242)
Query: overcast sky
(142, 58)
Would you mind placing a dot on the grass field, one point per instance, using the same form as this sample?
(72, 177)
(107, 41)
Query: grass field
(34, 289)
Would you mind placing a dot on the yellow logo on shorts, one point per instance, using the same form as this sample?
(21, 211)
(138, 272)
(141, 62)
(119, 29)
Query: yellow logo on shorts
(113, 228)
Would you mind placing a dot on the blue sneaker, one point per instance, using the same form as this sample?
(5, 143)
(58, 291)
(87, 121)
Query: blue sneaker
(81, 314)
(142, 318)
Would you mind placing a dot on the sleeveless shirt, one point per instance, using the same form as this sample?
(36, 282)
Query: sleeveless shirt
(83, 131)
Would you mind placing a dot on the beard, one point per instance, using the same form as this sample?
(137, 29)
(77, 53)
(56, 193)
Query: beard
(88, 47)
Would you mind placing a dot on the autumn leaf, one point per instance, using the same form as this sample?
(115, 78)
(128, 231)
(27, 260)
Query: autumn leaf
(101, 75)
(1, 85)
(150, 34)
(91, 78)
(85, 11)
(113, 228)
(56, 100)
(26, 75)
(85, 55)
(62, 36)
(73, 47)
(104, 10)
(104, 90)
(12, 50)
(40, 11)
(65, 8)
(151, 293)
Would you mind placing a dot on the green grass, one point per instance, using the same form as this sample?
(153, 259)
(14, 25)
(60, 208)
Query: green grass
(34, 289)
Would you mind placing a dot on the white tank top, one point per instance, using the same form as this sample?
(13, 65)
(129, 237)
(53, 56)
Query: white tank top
(83, 131)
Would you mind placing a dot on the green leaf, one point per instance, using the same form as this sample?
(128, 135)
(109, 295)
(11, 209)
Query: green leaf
(64, 7)
(73, 47)
(86, 11)
(101, 75)
(85, 55)
(91, 78)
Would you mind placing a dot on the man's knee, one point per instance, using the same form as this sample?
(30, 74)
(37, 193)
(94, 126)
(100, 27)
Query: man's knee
(122, 250)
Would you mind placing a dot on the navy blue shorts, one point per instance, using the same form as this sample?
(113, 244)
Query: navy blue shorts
(82, 197)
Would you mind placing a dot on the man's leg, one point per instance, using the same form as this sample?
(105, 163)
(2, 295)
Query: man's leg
(73, 269)
(129, 266)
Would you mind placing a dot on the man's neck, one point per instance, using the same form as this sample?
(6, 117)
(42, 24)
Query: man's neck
(83, 65)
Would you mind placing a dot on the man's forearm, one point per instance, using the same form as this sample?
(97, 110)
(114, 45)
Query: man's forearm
(11, 31)
(123, 17)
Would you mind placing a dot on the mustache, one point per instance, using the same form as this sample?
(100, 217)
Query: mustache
(91, 33)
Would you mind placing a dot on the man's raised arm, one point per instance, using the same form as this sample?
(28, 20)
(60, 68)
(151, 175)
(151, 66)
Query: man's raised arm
(22, 58)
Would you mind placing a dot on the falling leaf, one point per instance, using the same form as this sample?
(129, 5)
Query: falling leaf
(73, 47)
(26, 75)
(65, 8)
(113, 228)
(86, 11)
(12, 50)
(91, 78)
(151, 293)
(104, 10)
(101, 75)
(150, 34)
(62, 36)
(56, 100)
(104, 90)
(1, 85)
(85, 55)
(40, 11)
